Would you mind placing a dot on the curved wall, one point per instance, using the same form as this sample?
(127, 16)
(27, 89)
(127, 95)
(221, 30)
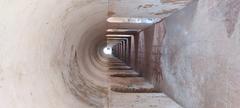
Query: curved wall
(44, 53)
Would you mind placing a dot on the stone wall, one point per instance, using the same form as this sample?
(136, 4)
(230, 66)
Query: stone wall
(200, 55)
(193, 55)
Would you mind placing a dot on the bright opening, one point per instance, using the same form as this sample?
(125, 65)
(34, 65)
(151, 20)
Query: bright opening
(107, 50)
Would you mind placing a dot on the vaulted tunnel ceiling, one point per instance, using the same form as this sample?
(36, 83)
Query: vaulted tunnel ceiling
(59, 63)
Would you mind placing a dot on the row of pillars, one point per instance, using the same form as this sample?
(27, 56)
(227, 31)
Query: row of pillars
(142, 51)
(122, 49)
(129, 49)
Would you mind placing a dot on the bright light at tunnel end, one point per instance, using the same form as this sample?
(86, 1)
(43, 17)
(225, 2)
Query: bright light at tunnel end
(107, 50)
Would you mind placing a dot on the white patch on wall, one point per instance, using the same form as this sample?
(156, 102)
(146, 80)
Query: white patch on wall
(133, 20)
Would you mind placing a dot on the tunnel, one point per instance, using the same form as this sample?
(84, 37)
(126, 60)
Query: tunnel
(119, 53)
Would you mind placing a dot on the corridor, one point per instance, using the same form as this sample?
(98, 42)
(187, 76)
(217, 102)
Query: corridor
(119, 53)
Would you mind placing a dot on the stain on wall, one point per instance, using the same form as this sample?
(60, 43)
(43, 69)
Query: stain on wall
(110, 13)
(227, 11)
(145, 6)
(156, 70)
(174, 1)
(149, 53)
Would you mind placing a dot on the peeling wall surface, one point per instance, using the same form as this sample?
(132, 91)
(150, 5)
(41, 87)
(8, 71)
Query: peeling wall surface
(200, 55)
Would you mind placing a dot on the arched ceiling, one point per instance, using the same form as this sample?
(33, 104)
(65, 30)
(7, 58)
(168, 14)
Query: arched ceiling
(48, 53)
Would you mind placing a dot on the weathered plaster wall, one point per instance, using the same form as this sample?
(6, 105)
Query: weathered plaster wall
(149, 44)
(154, 36)
(132, 51)
(200, 55)
(44, 53)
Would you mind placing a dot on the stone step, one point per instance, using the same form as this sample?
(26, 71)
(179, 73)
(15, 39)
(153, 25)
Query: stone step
(140, 100)
(134, 90)
(125, 75)
(131, 85)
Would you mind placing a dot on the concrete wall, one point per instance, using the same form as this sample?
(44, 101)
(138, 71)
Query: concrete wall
(201, 55)
(149, 45)
(193, 55)
(141, 63)
(154, 36)
(44, 53)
